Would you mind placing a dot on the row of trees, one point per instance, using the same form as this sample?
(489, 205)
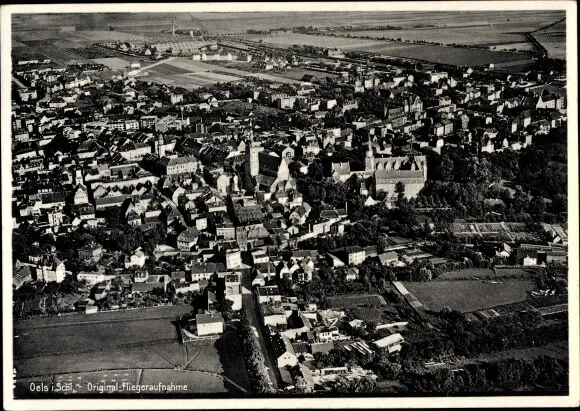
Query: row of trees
(458, 336)
(513, 375)
(254, 359)
(33, 290)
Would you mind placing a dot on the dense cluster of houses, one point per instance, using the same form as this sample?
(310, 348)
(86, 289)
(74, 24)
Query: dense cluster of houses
(298, 330)
(233, 190)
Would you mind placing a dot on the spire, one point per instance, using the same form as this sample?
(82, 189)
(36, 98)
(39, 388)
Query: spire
(160, 147)
(369, 158)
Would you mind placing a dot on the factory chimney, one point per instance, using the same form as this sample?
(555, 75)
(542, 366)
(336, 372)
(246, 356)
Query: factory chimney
(173, 27)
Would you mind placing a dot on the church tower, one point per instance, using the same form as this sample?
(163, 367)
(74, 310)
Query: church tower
(160, 146)
(252, 153)
(79, 179)
(369, 158)
(252, 158)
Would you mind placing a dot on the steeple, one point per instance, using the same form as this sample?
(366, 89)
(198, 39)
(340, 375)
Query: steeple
(251, 131)
(369, 157)
(160, 147)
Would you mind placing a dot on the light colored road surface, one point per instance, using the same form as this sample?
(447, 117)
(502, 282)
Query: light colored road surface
(173, 206)
(14, 79)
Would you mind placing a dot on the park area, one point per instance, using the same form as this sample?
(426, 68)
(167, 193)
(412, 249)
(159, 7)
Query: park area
(467, 296)
(129, 340)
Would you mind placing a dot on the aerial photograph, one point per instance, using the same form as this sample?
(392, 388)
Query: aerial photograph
(223, 205)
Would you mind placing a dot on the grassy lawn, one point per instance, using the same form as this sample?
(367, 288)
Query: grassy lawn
(469, 295)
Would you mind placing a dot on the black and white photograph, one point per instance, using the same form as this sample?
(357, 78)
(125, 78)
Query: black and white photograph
(290, 205)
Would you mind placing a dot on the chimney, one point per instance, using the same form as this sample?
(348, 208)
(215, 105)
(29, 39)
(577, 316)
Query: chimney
(173, 27)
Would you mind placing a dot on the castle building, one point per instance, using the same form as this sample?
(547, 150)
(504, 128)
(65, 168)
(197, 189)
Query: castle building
(386, 172)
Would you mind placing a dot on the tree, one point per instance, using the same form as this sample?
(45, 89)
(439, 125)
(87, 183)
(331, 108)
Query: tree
(400, 190)
(537, 206)
(520, 201)
(446, 168)
(225, 307)
(315, 170)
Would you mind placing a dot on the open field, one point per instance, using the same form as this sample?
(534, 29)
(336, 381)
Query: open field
(234, 22)
(356, 300)
(196, 381)
(473, 34)
(88, 337)
(297, 74)
(487, 273)
(188, 74)
(47, 47)
(509, 272)
(468, 273)
(170, 312)
(428, 52)
(150, 356)
(489, 32)
(554, 40)
(290, 39)
(469, 295)
(123, 382)
(192, 74)
(446, 55)
(502, 30)
(503, 22)
(122, 340)
(168, 70)
(114, 63)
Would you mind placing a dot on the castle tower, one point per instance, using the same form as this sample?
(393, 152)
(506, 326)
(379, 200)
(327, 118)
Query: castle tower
(160, 146)
(369, 158)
